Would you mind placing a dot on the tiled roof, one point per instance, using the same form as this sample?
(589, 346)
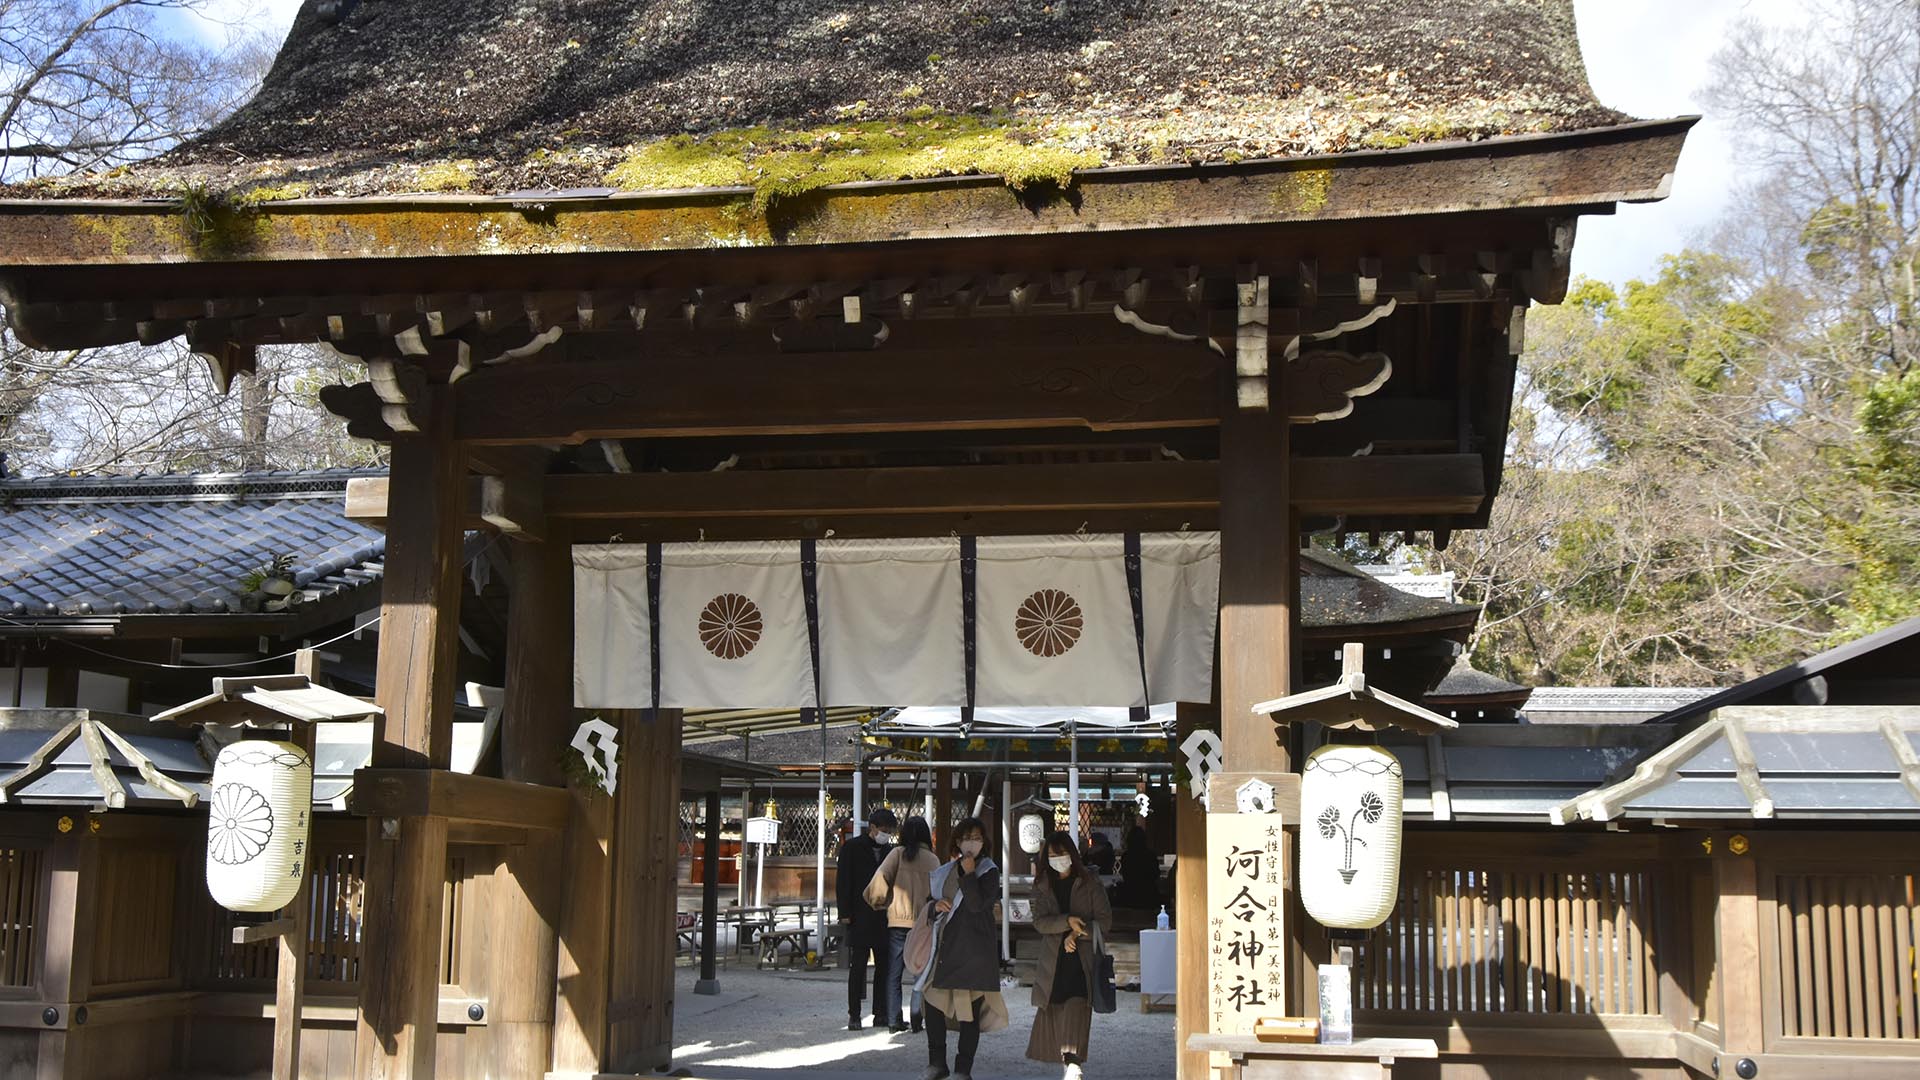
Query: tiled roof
(1336, 593)
(1465, 680)
(107, 546)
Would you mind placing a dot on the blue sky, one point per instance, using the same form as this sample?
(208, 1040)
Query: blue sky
(1648, 58)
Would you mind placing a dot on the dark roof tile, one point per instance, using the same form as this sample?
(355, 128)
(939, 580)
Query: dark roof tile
(149, 543)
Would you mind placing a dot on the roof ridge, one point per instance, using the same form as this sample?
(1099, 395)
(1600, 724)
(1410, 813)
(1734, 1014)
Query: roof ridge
(184, 487)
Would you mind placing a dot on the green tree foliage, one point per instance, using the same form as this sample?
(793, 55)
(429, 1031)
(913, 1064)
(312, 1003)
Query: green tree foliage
(1717, 471)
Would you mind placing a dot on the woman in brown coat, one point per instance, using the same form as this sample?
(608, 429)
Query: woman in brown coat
(1068, 902)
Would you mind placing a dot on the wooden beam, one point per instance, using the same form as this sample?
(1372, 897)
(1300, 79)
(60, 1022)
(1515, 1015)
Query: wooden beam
(1411, 484)
(267, 931)
(1122, 207)
(456, 797)
(1149, 385)
(999, 498)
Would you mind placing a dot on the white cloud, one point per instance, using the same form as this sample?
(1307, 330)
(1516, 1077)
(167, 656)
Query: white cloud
(1650, 58)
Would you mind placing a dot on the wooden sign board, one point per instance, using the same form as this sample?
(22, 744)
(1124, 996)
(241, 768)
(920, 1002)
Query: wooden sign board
(1246, 921)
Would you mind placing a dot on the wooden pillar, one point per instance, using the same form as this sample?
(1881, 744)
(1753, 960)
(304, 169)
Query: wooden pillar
(1259, 558)
(614, 1008)
(407, 856)
(1190, 904)
(537, 719)
(69, 876)
(580, 1003)
(710, 900)
(942, 812)
(1259, 571)
(533, 728)
(1737, 934)
(646, 835)
(290, 969)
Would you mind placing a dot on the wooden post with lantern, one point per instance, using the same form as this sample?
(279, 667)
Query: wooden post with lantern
(1347, 803)
(296, 702)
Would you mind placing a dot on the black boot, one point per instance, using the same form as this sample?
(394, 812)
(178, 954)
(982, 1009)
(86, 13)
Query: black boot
(853, 1021)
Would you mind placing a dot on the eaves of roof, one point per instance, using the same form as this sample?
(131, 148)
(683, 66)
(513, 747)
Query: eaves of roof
(1570, 171)
(1697, 712)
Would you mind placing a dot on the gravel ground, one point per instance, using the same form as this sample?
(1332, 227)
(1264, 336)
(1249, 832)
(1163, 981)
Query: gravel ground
(778, 1023)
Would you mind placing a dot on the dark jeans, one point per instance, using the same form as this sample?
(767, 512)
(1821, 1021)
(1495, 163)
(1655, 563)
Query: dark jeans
(896, 976)
(859, 945)
(937, 1040)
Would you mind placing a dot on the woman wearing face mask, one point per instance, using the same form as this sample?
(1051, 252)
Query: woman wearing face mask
(962, 984)
(900, 888)
(1068, 903)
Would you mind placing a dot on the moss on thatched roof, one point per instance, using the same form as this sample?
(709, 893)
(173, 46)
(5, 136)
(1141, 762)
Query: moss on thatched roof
(493, 96)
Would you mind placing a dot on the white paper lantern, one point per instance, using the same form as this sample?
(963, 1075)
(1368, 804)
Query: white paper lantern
(1350, 836)
(260, 812)
(1033, 833)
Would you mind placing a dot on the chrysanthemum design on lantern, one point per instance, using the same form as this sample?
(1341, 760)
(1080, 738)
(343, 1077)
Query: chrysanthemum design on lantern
(242, 824)
(1048, 622)
(730, 626)
(1369, 811)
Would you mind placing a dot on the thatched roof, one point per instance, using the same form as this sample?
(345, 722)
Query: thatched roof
(505, 95)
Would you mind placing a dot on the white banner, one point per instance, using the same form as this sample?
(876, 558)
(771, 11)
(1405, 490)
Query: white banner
(612, 664)
(733, 627)
(1055, 625)
(891, 622)
(1180, 584)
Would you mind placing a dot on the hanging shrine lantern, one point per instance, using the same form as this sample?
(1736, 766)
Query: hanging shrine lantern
(1350, 800)
(259, 815)
(1033, 833)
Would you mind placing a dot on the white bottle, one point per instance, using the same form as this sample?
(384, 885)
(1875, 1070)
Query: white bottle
(1161, 923)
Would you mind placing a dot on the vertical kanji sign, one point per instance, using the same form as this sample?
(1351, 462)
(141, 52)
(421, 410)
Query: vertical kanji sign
(1246, 928)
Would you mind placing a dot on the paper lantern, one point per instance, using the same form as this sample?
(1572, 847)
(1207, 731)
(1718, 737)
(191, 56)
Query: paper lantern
(1350, 836)
(1033, 833)
(260, 810)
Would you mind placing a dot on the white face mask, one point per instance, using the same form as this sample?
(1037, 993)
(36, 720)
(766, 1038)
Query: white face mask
(1060, 863)
(883, 838)
(971, 848)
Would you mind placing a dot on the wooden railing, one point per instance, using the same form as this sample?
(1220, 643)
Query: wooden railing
(1846, 947)
(1558, 942)
(19, 907)
(333, 928)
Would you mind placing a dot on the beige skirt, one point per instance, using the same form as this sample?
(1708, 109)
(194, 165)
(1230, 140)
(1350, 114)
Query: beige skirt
(1061, 1029)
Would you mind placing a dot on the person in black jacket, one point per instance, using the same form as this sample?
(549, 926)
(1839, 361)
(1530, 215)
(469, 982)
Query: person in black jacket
(962, 986)
(864, 929)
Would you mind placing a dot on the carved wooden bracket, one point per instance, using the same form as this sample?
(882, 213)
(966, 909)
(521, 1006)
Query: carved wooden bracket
(1322, 384)
(360, 406)
(225, 359)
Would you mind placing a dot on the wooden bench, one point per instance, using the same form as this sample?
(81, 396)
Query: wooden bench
(794, 938)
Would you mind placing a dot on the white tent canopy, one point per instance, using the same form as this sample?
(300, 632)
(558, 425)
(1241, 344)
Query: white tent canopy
(937, 720)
